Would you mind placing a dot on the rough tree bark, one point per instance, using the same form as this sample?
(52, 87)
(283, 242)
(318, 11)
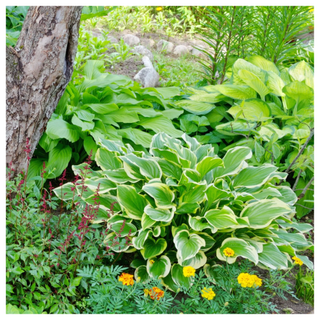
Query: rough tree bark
(38, 71)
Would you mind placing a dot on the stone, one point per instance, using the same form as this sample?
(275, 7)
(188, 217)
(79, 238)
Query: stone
(148, 43)
(131, 40)
(112, 39)
(190, 48)
(197, 53)
(147, 76)
(144, 51)
(180, 50)
(165, 46)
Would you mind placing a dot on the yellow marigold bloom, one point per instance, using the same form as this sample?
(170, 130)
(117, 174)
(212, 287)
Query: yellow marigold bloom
(189, 271)
(246, 280)
(297, 261)
(228, 252)
(126, 279)
(156, 293)
(146, 292)
(257, 281)
(159, 8)
(151, 262)
(208, 293)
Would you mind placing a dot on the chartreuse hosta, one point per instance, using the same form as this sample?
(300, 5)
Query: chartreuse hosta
(183, 205)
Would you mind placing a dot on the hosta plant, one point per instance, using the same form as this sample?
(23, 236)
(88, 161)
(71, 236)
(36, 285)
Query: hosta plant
(180, 205)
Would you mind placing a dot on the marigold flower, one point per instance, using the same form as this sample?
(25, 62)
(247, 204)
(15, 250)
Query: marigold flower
(126, 279)
(246, 280)
(189, 271)
(155, 293)
(297, 261)
(228, 252)
(159, 8)
(257, 281)
(151, 262)
(208, 293)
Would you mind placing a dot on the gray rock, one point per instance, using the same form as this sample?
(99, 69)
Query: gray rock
(147, 76)
(144, 51)
(113, 39)
(131, 40)
(148, 43)
(180, 50)
(165, 46)
(197, 53)
(190, 48)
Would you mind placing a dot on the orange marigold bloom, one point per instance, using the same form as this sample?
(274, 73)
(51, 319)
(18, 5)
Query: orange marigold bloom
(155, 293)
(126, 279)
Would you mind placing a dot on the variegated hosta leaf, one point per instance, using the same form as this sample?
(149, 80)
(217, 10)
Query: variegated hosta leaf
(195, 195)
(240, 248)
(187, 207)
(65, 192)
(221, 218)
(142, 273)
(207, 164)
(263, 212)
(213, 193)
(251, 177)
(148, 167)
(161, 193)
(196, 262)
(188, 244)
(116, 244)
(208, 239)
(157, 214)
(175, 230)
(123, 228)
(107, 160)
(133, 202)
(104, 184)
(306, 261)
(301, 227)
(265, 193)
(169, 283)
(106, 201)
(190, 178)
(287, 195)
(170, 169)
(272, 257)
(233, 161)
(199, 223)
(118, 176)
(139, 240)
(146, 221)
(178, 278)
(153, 248)
(132, 170)
(212, 272)
(158, 267)
(291, 237)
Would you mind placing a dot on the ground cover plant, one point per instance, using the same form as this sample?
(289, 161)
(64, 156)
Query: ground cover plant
(185, 198)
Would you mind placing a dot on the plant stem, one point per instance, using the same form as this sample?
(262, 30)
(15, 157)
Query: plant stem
(305, 189)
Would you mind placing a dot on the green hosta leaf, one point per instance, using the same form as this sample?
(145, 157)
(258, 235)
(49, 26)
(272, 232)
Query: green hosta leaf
(253, 109)
(306, 261)
(161, 193)
(84, 125)
(263, 63)
(263, 212)
(265, 193)
(301, 227)
(287, 195)
(160, 124)
(187, 208)
(207, 164)
(90, 146)
(142, 273)
(291, 237)
(133, 202)
(240, 248)
(208, 239)
(272, 257)
(187, 244)
(242, 64)
(195, 195)
(213, 97)
(59, 128)
(159, 214)
(275, 84)
(178, 277)
(253, 176)
(107, 160)
(148, 167)
(159, 267)
(236, 92)
(212, 272)
(234, 128)
(124, 115)
(195, 107)
(298, 91)
(233, 161)
(221, 218)
(139, 240)
(59, 158)
(169, 92)
(196, 262)
(46, 143)
(153, 248)
(137, 136)
(302, 71)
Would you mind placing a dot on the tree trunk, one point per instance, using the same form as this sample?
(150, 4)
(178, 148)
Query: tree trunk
(38, 71)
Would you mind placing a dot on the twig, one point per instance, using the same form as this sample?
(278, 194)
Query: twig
(300, 205)
(305, 189)
(302, 149)
(297, 179)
